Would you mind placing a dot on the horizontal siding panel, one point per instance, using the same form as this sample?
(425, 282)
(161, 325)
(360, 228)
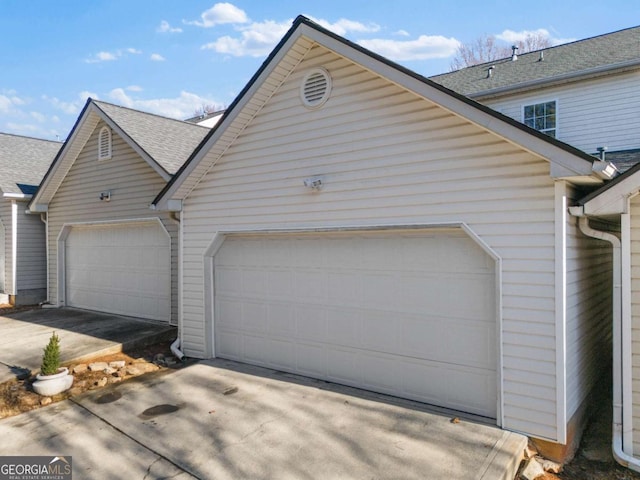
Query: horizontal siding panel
(133, 185)
(390, 158)
(592, 113)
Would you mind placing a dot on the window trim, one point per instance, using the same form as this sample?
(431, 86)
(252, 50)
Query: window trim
(533, 103)
(101, 154)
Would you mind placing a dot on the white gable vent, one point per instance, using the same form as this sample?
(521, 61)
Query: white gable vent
(104, 144)
(315, 88)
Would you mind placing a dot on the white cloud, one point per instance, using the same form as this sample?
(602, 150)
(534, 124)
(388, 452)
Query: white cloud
(164, 27)
(219, 14)
(9, 101)
(402, 33)
(111, 56)
(424, 47)
(38, 117)
(69, 108)
(256, 40)
(134, 88)
(181, 107)
(156, 57)
(512, 37)
(344, 26)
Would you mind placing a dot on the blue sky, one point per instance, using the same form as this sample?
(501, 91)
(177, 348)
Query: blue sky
(173, 57)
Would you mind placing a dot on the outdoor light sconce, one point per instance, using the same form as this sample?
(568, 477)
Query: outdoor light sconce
(314, 183)
(105, 196)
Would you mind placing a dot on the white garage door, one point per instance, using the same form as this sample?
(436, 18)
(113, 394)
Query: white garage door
(123, 269)
(410, 314)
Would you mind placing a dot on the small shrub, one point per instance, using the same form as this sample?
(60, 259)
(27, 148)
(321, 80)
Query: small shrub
(51, 356)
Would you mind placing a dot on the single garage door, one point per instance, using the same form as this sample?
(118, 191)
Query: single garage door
(123, 269)
(411, 313)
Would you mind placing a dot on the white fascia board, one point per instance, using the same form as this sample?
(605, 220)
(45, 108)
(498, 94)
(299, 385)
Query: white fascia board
(48, 187)
(221, 127)
(613, 200)
(17, 196)
(39, 208)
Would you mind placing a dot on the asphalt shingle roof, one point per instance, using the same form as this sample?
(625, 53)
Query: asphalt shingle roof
(24, 161)
(611, 50)
(169, 142)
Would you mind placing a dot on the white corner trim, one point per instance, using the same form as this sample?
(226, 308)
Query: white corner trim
(14, 248)
(560, 207)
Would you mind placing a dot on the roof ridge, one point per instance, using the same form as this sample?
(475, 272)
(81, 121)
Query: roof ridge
(151, 114)
(29, 137)
(533, 52)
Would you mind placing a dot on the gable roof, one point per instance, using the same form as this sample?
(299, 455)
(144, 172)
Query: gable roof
(23, 163)
(164, 143)
(566, 161)
(584, 58)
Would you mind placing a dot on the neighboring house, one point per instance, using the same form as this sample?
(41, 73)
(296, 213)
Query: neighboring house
(207, 119)
(107, 251)
(350, 220)
(618, 201)
(23, 266)
(585, 93)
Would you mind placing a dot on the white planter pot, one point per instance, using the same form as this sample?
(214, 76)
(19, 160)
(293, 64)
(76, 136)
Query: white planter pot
(48, 385)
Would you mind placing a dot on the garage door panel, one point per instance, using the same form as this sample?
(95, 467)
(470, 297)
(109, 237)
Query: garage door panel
(400, 314)
(121, 269)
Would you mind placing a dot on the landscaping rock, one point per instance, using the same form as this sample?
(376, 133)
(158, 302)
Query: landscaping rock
(81, 367)
(117, 364)
(110, 370)
(134, 370)
(115, 379)
(532, 470)
(45, 401)
(551, 467)
(102, 382)
(98, 366)
(147, 367)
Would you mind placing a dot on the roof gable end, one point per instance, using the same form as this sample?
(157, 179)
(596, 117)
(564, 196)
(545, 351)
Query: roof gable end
(565, 161)
(163, 143)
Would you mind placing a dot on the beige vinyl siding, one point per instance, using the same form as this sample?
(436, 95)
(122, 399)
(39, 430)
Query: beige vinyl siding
(6, 216)
(589, 312)
(388, 157)
(590, 114)
(31, 253)
(635, 320)
(133, 185)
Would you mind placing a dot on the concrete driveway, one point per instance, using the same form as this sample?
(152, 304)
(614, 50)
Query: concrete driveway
(223, 420)
(83, 334)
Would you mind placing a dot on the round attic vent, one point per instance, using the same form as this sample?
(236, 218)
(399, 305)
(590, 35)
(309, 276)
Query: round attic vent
(315, 88)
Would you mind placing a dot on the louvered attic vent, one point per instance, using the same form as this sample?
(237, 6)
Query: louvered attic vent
(104, 144)
(315, 88)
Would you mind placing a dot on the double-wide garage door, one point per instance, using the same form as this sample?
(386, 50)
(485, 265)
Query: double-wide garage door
(120, 268)
(411, 314)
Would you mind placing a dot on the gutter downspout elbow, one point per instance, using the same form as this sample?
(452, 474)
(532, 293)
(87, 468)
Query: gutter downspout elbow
(617, 447)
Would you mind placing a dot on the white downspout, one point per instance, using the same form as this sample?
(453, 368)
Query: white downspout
(175, 346)
(617, 441)
(45, 220)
